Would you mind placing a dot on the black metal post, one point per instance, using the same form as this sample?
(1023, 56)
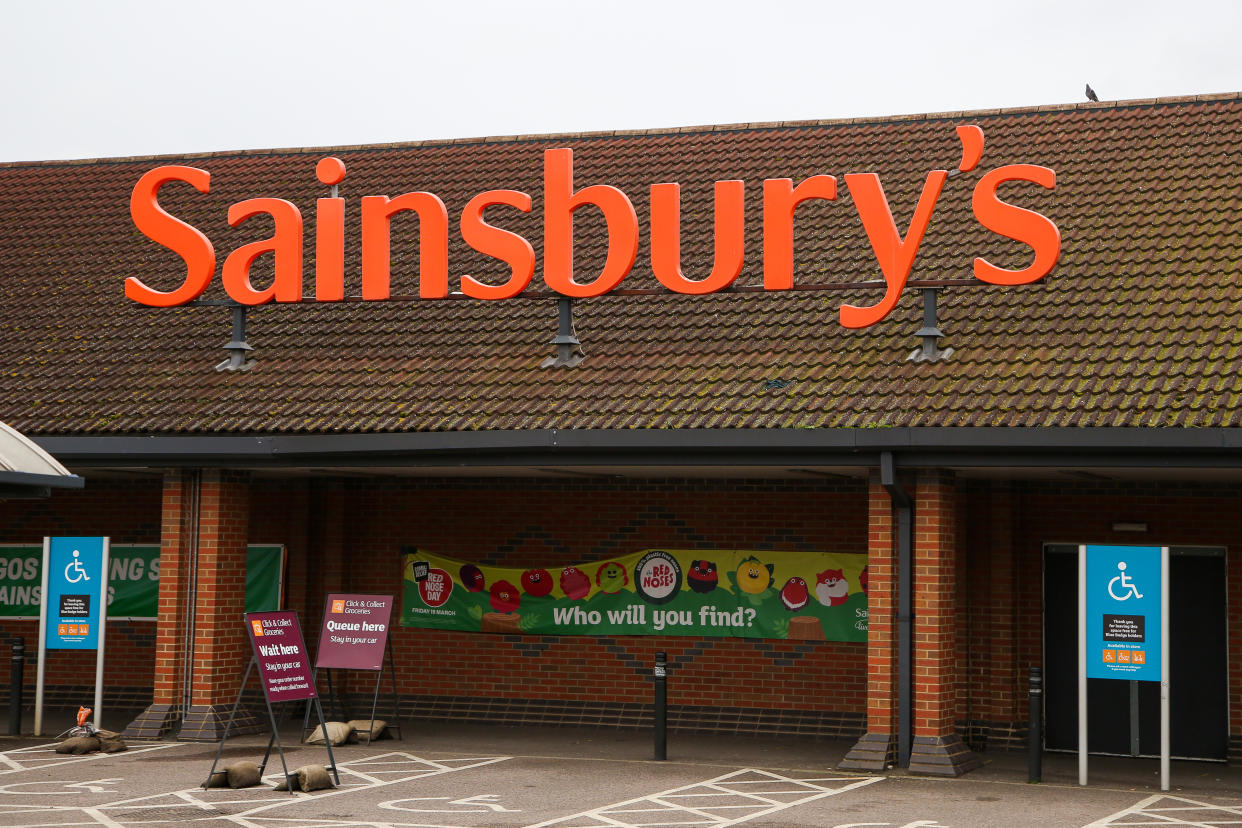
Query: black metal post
(661, 706)
(1036, 727)
(16, 686)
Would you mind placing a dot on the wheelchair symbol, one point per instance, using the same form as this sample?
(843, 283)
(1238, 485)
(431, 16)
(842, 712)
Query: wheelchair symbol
(1127, 586)
(79, 571)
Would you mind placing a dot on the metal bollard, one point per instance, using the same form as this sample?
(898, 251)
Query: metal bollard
(661, 706)
(1035, 732)
(16, 686)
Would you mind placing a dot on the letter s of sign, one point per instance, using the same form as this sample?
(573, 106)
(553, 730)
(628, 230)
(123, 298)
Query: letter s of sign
(1026, 226)
(500, 244)
(183, 239)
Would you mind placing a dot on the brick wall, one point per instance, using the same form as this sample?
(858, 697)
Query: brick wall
(794, 686)
(347, 534)
(127, 511)
(1008, 525)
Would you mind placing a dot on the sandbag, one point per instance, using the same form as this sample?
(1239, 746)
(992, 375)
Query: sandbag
(219, 779)
(307, 778)
(364, 730)
(338, 732)
(78, 745)
(243, 774)
(291, 783)
(313, 777)
(110, 741)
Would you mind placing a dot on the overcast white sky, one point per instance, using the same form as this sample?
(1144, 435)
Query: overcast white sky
(91, 78)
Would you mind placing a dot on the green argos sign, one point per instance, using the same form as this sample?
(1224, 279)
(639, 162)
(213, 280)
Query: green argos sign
(133, 580)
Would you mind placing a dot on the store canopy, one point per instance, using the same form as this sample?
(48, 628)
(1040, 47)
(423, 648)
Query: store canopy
(27, 470)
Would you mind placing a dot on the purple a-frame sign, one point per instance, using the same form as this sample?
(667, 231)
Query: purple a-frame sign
(280, 653)
(285, 675)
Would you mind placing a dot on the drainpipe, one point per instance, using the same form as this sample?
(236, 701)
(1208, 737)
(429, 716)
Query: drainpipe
(192, 488)
(905, 603)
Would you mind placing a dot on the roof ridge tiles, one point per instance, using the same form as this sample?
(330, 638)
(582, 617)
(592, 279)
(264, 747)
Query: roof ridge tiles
(615, 133)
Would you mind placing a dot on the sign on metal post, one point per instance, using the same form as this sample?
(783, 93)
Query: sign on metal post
(280, 654)
(355, 632)
(1123, 629)
(355, 637)
(284, 672)
(72, 614)
(1123, 612)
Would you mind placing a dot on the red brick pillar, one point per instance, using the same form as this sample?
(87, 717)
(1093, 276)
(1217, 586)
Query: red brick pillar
(177, 522)
(937, 748)
(203, 536)
(877, 749)
(221, 651)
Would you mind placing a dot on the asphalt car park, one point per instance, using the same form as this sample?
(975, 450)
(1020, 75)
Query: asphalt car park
(480, 776)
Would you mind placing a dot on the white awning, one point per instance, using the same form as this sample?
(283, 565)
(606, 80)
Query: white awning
(26, 469)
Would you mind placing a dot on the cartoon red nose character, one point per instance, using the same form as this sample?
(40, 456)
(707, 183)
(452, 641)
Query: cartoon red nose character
(794, 594)
(611, 577)
(831, 588)
(472, 578)
(574, 583)
(702, 576)
(536, 582)
(505, 597)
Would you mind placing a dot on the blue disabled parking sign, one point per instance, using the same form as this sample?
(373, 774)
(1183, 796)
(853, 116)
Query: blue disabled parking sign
(1123, 617)
(76, 592)
(73, 608)
(1123, 612)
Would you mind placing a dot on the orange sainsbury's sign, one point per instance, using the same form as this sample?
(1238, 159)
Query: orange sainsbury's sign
(894, 251)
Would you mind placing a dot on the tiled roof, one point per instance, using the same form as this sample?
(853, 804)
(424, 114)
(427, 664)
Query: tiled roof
(1138, 325)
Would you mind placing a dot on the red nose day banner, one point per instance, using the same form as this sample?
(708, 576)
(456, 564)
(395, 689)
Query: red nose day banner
(284, 666)
(355, 632)
(815, 596)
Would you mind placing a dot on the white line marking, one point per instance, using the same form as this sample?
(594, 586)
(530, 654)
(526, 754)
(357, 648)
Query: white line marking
(46, 757)
(1148, 815)
(255, 801)
(93, 786)
(101, 818)
(806, 790)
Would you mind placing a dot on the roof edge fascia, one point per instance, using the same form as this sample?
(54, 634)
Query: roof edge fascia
(41, 481)
(961, 446)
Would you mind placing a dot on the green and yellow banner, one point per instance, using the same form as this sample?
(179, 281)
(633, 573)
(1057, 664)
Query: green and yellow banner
(747, 594)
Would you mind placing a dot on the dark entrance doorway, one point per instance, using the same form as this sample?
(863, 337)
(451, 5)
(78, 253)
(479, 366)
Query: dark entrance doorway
(1123, 717)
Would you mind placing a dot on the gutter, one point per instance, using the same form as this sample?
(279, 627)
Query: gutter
(905, 603)
(42, 481)
(969, 447)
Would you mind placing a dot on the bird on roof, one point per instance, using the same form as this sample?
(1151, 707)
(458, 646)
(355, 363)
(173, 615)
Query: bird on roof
(1091, 96)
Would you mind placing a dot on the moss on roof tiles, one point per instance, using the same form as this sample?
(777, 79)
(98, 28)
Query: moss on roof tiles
(1146, 290)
